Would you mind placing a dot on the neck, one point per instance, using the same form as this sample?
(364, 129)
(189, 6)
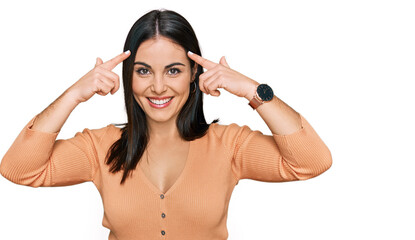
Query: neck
(163, 131)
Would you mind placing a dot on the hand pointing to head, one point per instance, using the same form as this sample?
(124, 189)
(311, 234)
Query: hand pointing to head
(100, 79)
(220, 75)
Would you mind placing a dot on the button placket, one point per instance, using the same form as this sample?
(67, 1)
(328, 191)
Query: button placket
(162, 216)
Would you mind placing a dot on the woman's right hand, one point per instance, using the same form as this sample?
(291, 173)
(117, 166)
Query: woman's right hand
(100, 79)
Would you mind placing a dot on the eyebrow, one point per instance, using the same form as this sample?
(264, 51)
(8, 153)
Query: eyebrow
(168, 66)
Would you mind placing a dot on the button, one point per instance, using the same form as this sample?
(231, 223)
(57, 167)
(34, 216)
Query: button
(162, 196)
(163, 215)
(163, 232)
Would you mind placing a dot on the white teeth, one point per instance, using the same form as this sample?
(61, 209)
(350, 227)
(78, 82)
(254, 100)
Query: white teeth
(159, 102)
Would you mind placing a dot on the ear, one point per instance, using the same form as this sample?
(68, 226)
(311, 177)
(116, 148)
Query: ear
(194, 71)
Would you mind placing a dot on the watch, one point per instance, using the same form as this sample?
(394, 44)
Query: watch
(262, 95)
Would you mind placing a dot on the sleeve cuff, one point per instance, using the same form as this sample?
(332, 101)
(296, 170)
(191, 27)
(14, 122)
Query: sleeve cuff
(299, 140)
(29, 129)
(303, 144)
(304, 123)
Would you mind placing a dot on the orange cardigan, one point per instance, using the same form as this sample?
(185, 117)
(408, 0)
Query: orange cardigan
(196, 206)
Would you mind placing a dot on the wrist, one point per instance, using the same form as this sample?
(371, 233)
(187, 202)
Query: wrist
(70, 97)
(251, 91)
(263, 94)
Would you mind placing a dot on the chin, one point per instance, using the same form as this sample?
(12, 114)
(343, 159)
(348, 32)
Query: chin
(160, 118)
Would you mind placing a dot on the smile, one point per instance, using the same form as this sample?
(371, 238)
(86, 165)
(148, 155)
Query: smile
(159, 103)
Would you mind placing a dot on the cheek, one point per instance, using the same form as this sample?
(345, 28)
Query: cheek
(137, 92)
(184, 86)
(137, 87)
(184, 83)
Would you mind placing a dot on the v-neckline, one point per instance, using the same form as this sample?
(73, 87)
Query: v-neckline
(178, 180)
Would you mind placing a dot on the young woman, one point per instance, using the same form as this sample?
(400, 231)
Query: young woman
(166, 173)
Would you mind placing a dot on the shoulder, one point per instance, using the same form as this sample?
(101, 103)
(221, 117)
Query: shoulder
(112, 132)
(229, 133)
(109, 133)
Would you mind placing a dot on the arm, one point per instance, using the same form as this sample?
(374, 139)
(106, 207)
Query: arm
(37, 159)
(294, 152)
(99, 80)
(280, 118)
(278, 158)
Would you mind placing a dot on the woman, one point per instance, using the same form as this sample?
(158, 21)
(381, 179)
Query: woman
(166, 173)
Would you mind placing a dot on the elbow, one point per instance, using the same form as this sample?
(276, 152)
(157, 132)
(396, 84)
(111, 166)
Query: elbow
(5, 172)
(320, 165)
(325, 165)
(315, 166)
(23, 181)
(14, 176)
(20, 181)
(327, 160)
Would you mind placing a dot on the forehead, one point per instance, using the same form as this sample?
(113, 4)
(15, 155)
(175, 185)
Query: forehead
(160, 50)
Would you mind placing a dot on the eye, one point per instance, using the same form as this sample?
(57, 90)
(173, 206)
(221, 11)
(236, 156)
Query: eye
(174, 71)
(142, 71)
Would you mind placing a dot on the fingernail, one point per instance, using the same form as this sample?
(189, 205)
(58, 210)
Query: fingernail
(127, 52)
(190, 52)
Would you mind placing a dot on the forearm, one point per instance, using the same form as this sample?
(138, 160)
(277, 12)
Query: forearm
(36, 158)
(52, 118)
(280, 118)
(100, 80)
(303, 154)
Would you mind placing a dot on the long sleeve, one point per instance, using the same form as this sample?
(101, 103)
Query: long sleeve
(277, 158)
(37, 159)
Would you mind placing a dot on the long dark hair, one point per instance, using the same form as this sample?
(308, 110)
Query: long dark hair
(126, 152)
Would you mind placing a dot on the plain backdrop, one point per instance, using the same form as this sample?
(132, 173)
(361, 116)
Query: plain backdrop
(347, 66)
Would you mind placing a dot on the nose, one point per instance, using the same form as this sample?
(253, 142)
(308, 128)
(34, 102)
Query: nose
(158, 86)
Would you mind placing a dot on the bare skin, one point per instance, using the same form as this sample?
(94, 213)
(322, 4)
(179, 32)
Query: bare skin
(280, 118)
(100, 80)
(162, 163)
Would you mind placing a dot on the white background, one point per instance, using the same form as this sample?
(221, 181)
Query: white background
(347, 66)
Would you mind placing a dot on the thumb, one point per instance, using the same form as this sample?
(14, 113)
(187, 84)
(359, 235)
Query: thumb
(223, 62)
(98, 62)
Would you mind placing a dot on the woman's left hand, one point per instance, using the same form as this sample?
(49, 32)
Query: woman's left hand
(220, 75)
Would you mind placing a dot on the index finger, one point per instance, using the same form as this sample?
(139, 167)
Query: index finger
(112, 63)
(201, 61)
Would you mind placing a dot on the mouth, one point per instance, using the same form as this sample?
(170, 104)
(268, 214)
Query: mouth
(160, 103)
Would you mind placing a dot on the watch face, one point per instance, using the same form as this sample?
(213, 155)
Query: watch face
(265, 92)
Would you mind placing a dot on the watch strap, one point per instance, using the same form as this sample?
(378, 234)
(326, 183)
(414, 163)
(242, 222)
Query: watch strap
(254, 103)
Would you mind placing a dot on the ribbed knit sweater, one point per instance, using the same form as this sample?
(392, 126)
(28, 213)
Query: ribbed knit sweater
(196, 206)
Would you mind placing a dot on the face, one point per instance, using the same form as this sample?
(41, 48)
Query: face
(161, 79)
